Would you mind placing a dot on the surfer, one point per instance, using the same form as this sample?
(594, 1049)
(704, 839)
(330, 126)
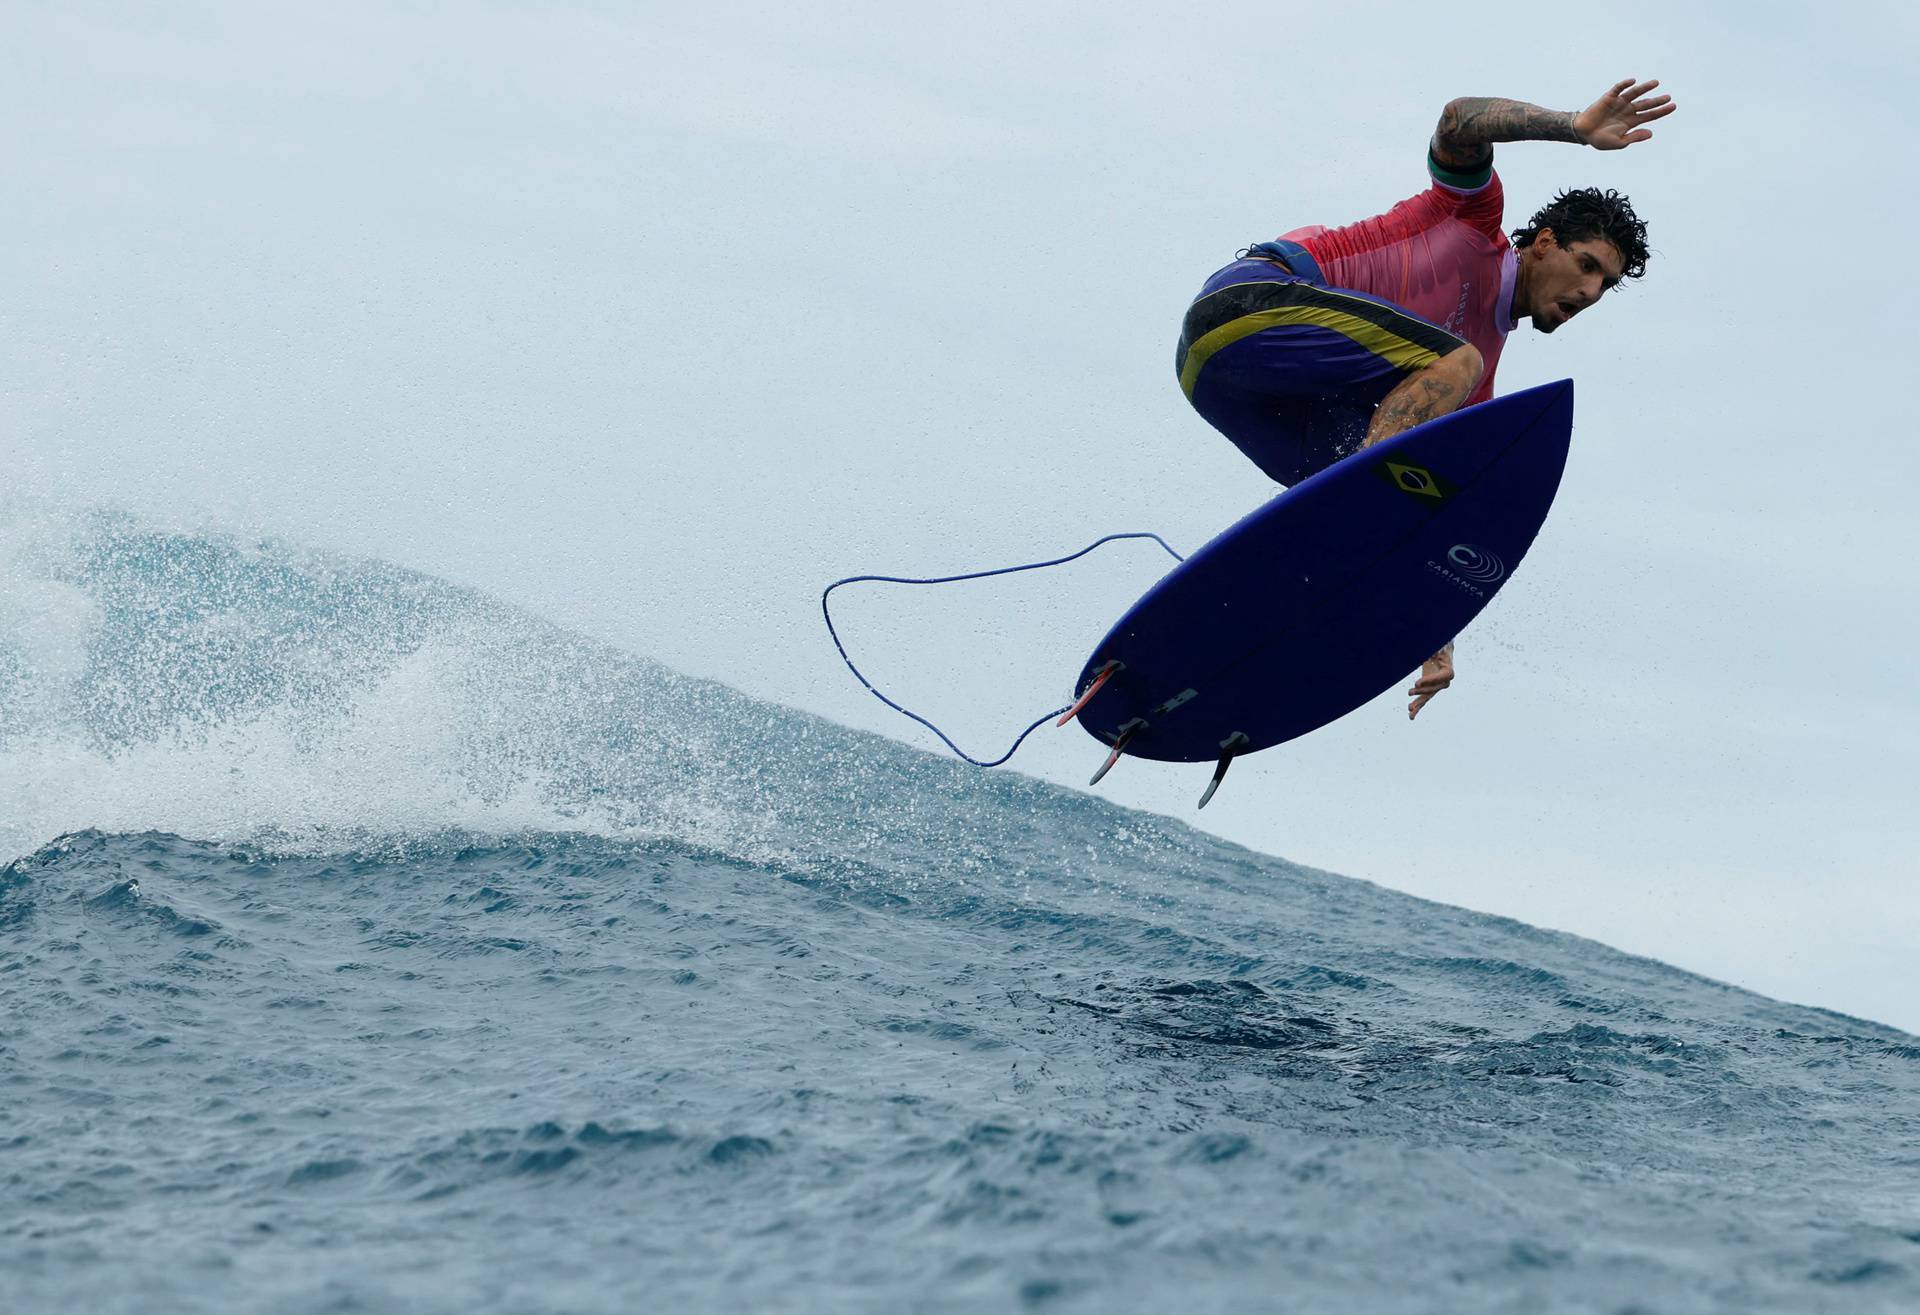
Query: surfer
(1328, 340)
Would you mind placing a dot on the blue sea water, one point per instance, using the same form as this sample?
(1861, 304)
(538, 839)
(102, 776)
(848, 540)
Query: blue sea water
(366, 945)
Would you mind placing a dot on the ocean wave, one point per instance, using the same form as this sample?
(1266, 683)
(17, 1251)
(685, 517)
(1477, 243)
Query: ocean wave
(350, 913)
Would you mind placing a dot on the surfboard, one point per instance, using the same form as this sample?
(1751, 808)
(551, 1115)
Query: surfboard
(1333, 591)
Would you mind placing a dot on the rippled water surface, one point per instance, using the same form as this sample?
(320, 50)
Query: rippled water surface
(397, 952)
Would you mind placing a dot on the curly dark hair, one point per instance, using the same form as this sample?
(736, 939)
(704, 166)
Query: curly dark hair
(1581, 214)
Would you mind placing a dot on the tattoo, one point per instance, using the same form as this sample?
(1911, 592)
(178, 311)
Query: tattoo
(1419, 398)
(1470, 125)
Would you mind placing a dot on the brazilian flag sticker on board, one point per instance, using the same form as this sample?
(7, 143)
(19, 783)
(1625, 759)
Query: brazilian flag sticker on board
(1416, 480)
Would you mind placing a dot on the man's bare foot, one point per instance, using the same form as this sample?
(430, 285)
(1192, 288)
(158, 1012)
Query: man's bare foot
(1436, 673)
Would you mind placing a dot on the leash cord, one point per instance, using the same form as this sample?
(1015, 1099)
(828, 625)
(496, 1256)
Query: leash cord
(827, 612)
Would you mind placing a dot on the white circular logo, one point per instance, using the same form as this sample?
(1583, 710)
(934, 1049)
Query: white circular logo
(1476, 563)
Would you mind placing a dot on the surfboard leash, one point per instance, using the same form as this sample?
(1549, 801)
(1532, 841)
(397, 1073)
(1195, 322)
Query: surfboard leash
(1068, 710)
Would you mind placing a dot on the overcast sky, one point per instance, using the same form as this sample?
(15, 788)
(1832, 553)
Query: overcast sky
(656, 318)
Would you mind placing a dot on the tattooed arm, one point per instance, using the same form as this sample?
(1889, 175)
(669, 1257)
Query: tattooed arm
(1471, 125)
(1425, 394)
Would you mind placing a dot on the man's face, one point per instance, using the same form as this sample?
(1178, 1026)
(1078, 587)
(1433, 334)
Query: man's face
(1566, 279)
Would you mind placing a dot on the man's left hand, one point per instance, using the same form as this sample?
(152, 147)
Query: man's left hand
(1620, 118)
(1436, 673)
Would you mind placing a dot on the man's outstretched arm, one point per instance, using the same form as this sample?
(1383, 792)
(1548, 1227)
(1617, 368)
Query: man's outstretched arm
(1471, 125)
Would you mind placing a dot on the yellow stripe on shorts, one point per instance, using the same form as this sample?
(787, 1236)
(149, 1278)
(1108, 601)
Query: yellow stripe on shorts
(1403, 353)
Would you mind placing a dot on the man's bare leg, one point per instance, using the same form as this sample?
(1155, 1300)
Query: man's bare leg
(1422, 395)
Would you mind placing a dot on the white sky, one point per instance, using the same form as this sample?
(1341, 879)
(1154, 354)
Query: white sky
(656, 318)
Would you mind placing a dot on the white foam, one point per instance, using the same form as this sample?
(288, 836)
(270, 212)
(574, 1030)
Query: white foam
(257, 694)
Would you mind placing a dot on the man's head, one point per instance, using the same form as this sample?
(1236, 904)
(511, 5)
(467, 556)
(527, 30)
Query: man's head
(1573, 251)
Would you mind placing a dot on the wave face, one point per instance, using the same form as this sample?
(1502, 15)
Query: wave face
(368, 945)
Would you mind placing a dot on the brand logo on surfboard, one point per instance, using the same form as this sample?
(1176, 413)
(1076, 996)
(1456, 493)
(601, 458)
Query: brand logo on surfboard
(1475, 562)
(1468, 567)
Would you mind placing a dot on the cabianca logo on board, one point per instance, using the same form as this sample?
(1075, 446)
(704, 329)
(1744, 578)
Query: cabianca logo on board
(1469, 566)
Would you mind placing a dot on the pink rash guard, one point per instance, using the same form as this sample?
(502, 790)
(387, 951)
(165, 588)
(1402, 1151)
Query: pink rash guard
(1441, 255)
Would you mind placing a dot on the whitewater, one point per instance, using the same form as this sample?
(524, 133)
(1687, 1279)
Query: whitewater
(367, 944)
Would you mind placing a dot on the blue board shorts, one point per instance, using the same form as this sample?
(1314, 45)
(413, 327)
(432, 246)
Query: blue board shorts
(1291, 369)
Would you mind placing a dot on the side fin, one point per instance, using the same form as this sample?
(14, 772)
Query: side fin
(1229, 749)
(1107, 671)
(1127, 732)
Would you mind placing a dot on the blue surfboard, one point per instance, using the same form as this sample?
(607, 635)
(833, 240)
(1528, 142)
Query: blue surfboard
(1333, 591)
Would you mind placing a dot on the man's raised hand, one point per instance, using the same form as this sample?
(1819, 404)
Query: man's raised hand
(1620, 118)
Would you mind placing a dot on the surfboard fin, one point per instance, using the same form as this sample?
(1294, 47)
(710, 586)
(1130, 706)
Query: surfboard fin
(1100, 678)
(1127, 732)
(1229, 748)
